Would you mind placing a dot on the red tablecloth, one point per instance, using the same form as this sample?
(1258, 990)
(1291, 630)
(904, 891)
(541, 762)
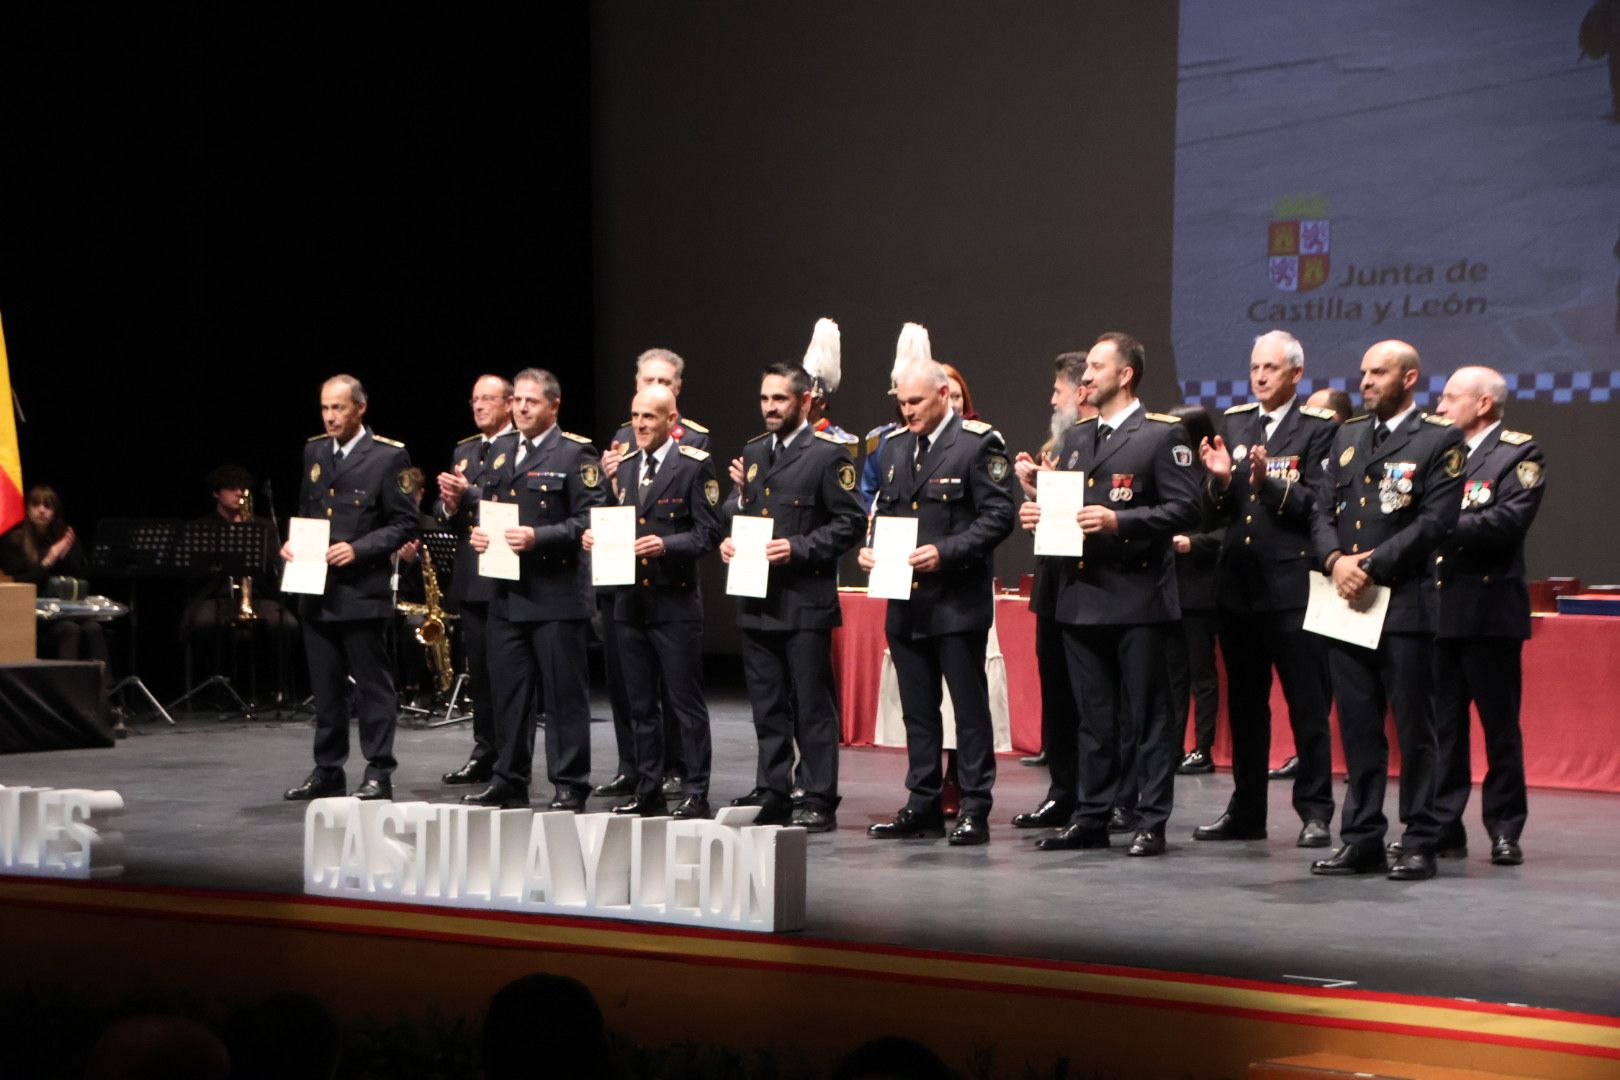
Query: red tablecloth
(1571, 710)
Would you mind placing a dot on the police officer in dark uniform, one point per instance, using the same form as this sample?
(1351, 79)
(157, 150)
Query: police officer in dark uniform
(1118, 604)
(804, 480)
(538, 625)
(358, 481)
(1484, 615)
(470, 593)
(1388, 495)
(655, 367)
(1260, 484)
(954, 477)
(658, 620)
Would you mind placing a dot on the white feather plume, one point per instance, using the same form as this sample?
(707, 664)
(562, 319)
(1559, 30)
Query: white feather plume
(913, 345)
(824, 358)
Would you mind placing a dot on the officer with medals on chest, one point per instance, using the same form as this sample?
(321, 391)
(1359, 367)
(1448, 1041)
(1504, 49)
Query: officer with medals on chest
(804, 481)
(1260, 486)
(1388, 494)
(658, 619)
(1484, 617)
(654, 367)
(1118, 603)
(538, 625)
(470, 594)
(359, 483)
(953, 476)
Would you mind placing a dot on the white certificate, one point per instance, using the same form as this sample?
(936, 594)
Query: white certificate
(498, 560)
(750, 572)
(1060, 494)
(893, 541)
(1329, 614)
(613, 553)
(305, 572)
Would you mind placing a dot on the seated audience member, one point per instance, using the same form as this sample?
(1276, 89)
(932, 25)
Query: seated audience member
(43, 546)
(892, 1057)
(158, 1048)
(287, 1036)
(545, 1025)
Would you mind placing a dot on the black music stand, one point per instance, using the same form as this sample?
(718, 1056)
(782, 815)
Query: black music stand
(230, 549)
(134, 548)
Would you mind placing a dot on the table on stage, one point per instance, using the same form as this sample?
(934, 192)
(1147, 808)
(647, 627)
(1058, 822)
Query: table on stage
(1571, 685)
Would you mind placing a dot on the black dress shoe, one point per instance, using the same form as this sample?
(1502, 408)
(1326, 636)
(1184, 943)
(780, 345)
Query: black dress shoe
(1227, 827)
(616, 788)
(971, 829)
(753, 798)
(815, 819)
(1147, 842)
(1073, 838)
(315, 786)
(774, 809)
(1195, 763)
(1452, 847)
(1034, 759)
(644, 806)
(1285, 771)
(1350, 859)
(693, 806)
(1121, 820)
(673, 783)
(1049, 815)
(567, 800)
(797, 795)
(498, 794)
(374, 789)
(474, 772)
(1505, 851)
(909, 824)
(1412, 866)
(1314, 833)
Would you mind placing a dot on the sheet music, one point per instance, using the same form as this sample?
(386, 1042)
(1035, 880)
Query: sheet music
(308, 539)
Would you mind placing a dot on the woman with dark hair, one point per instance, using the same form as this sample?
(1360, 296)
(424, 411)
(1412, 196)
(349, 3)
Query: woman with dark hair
(961, 397)
(42, 547)
(1191, 653)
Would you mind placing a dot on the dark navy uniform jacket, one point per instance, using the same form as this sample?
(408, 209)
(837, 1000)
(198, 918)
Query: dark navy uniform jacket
(963, 502)
(1479, 573)
(371, 504)
(466, 584)
(1267, 551)
(555, 488)
(810, 494)
(1397, 502)
(680, 508)
(1143, 472)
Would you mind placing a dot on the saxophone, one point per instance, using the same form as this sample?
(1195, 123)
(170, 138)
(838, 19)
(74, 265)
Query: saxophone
(245, 614)
(430, 634)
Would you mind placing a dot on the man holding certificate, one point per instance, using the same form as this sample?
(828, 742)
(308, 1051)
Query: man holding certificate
(796, 488)
(356, 490)
(540, 485)
(1388, 494)
(946, 489)
(658, 615)
(1117, 603)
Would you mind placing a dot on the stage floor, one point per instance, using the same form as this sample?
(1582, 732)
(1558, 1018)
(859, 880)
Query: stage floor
(204, 811)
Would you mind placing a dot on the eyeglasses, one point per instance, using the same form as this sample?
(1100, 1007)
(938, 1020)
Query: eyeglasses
(483, 399)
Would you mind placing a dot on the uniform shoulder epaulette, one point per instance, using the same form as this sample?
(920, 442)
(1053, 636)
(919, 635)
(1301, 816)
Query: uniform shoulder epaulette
(469, 439)
(1235, 409)
(387, 441)
(317, 438)
(1438, 421)
(571, 437)
(688, 422)
(761, 435)
(694, 453)
(897, 429)
(1514, 438)
(1164, 418)
(1085, 420)
(1358, 419)
(836, 440)
(1319, 413)
(978, 427)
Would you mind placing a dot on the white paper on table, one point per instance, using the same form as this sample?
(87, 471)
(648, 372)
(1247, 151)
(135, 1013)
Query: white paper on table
(750, 572)
(1061, 495)
(1329, 614)
(308, 539)
(613, 547)
(893, 541)
(498, 560)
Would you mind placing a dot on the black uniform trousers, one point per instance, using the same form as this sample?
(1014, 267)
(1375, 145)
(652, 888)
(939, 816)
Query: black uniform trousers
(1251, 643)
(336, 650)
(1123, 683)
(619, 701)
(667, 654)
(1398, 674)
(1059, 721)
(919, 664)
(795, 696)
(542, 663)
(1488, 673)
(474, 617)
(1193, 681)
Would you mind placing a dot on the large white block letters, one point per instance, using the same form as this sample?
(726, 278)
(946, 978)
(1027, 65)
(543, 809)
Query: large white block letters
(45, 832)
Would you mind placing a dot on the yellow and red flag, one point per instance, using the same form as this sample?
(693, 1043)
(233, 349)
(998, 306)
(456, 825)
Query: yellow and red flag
(11, 481)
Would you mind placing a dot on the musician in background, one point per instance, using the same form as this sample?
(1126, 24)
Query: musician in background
(41, 547)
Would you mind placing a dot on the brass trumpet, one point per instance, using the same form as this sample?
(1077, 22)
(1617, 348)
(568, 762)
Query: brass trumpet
(245, 613)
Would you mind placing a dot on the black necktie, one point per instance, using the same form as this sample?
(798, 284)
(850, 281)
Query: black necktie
(483, 451)
(337, 456)
(776, 452)
(1380, 433)
(1103, 432)
(1268, 424)
(922, 452)
(647, 478)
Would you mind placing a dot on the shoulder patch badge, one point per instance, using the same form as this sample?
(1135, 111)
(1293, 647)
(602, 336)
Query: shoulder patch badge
(694, 453)
(315, 473)
(1347, 457)
(407, 482)
(1453, 462)
(500, 459)
(1513, 438)
(753, 471)
(846, 476)
(1183, 455)
(711, 491)
(998, 468)
(590, 474)
(1529, 474)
